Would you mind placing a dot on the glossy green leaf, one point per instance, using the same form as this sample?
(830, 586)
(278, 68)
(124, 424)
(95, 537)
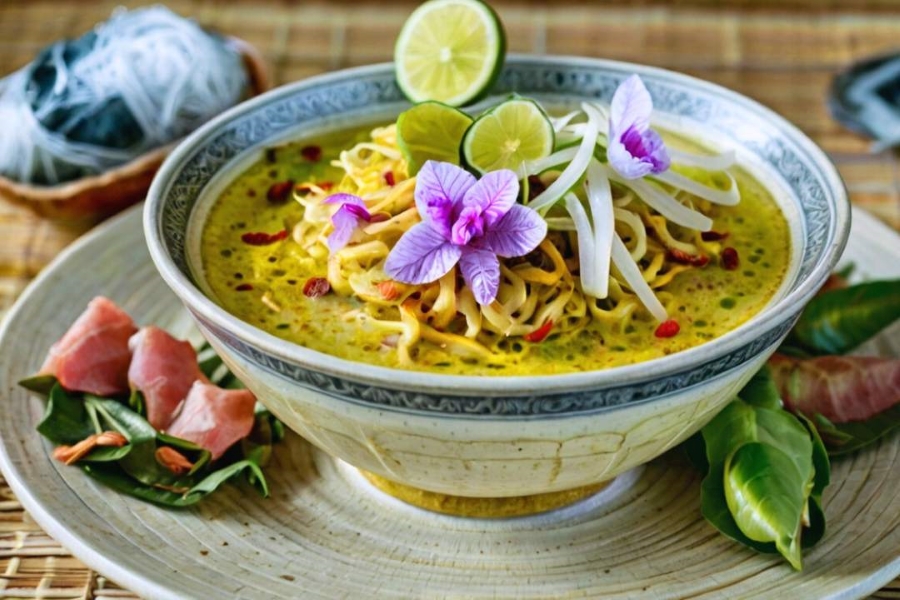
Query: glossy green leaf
(42, 384)
(141, 462)
(838, 321)
(761, 391)
(111, 475)
(66, 420)
(792, 466)
(766, 496)
(821, 463)
(844, 438)
(212, 481)
(137, 403)
(695, 449)
(740, 423)
(196, 454)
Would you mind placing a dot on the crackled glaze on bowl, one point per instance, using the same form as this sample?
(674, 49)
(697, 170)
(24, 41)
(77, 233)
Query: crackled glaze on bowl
(501, 435)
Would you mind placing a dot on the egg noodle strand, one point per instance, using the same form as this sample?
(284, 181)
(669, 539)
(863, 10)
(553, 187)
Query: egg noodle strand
(538, 293)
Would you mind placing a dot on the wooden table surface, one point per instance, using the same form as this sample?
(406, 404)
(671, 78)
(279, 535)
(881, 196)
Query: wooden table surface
(782, 53)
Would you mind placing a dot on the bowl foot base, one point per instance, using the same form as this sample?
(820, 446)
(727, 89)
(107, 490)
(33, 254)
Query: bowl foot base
(484, 508)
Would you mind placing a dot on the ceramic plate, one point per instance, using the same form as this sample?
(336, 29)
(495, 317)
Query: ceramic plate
(325, 532)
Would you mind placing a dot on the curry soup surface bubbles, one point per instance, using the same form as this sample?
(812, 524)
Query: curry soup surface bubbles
(264, 284)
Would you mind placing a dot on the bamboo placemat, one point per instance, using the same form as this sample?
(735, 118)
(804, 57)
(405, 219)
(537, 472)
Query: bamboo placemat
(780, 52)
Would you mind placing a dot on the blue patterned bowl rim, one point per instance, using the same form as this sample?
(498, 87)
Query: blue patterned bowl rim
(780, 145)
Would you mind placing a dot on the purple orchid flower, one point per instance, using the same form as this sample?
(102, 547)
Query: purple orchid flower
(467, 222)
(346, 219)
(634, 149)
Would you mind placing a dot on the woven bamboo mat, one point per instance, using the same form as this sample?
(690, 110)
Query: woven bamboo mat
(780, 52)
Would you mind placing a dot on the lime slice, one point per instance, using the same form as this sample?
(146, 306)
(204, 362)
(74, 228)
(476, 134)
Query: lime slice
(508, 135)
(431, 131)
(450, 51)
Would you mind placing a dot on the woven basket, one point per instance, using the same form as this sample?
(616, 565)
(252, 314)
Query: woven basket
(110, 192)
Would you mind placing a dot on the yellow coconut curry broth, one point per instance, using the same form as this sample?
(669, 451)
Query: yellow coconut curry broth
(268, 284)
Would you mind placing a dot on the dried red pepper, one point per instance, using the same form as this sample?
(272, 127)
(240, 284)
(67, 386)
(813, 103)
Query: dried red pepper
(261, 238)
(316, 287)
(280, 192)
(539, 334)
(311, 153)
(389, 178)
(667, 329)
(713, 236)
(684, 258)
(388, 290)
(244, 287)
(730, 259)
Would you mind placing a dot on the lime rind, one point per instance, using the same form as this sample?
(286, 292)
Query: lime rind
(431, 131)
(449, 50)
(508, 135)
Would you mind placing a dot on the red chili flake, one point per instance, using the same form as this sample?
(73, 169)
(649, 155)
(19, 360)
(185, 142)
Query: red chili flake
(713, 236)
(316, 287)
(667, 329)
(539, 334)
(311, 153)
(261, 238)
(280, 192)
(302, 190)
(326, 185)
(244, 287)
(730, 259)
(389, 178)
(388, 290)
(682, 257)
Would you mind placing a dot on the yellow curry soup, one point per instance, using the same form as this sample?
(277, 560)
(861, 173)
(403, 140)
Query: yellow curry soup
(270, 281)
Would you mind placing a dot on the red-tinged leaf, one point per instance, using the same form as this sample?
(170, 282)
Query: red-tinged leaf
(280, 192)
(667, 329)
(539, 334)
(684, 258)
(840, 388)
(730, 259)
(316, 287)
(261, 238)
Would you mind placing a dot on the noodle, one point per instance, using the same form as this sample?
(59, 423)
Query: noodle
(540, 288)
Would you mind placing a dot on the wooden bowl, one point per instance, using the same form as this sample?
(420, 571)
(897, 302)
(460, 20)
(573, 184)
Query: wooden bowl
(113, 190)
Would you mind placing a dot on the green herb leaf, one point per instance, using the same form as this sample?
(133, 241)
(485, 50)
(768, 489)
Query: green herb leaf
(844, 438)
(751, 448)
(137, 403)
(761, 391)
(66, 420)
(212, 481)
(839, 320)
(42, 384)
(765, 495)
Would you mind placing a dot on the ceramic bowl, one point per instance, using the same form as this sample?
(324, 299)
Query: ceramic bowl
(497, 436)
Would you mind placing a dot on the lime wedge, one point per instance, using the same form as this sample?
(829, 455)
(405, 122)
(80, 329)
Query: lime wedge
(431, 131)
(450, 51)
(508, 135)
